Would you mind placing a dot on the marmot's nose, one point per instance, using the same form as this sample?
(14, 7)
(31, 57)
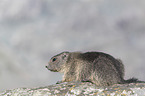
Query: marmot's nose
(46, 66)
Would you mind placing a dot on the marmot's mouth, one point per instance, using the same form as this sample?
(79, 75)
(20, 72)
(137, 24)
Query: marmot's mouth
(52, 70)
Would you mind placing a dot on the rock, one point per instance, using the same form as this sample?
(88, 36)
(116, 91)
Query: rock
(79, 88)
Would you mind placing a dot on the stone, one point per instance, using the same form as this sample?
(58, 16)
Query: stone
(79, 89)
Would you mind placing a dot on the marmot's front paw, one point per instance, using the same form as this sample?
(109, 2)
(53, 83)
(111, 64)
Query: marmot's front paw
(58, 82)
(85, 80)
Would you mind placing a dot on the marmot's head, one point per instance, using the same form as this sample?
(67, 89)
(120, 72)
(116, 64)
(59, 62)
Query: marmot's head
(57, 62)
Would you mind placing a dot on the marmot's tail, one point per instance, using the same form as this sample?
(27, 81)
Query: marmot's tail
(133, 80)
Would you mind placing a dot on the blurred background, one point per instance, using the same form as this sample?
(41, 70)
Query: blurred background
(32, 31)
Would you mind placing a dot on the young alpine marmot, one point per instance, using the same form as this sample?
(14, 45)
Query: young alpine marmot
(99, 68)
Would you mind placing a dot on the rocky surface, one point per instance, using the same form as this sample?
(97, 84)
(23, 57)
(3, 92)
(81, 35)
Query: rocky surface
(79, 89)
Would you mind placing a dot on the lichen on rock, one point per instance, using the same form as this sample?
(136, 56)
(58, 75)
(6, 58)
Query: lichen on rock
(79, 89)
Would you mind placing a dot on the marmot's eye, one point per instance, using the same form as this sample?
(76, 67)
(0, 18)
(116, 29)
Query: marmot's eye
(54, 59)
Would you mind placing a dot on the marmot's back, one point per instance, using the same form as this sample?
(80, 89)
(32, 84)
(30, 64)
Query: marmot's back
(91, 56)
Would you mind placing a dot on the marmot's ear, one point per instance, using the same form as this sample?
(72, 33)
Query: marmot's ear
(65, 55)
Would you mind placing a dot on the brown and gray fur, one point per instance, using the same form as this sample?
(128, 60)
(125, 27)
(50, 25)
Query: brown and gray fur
(99, 68)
